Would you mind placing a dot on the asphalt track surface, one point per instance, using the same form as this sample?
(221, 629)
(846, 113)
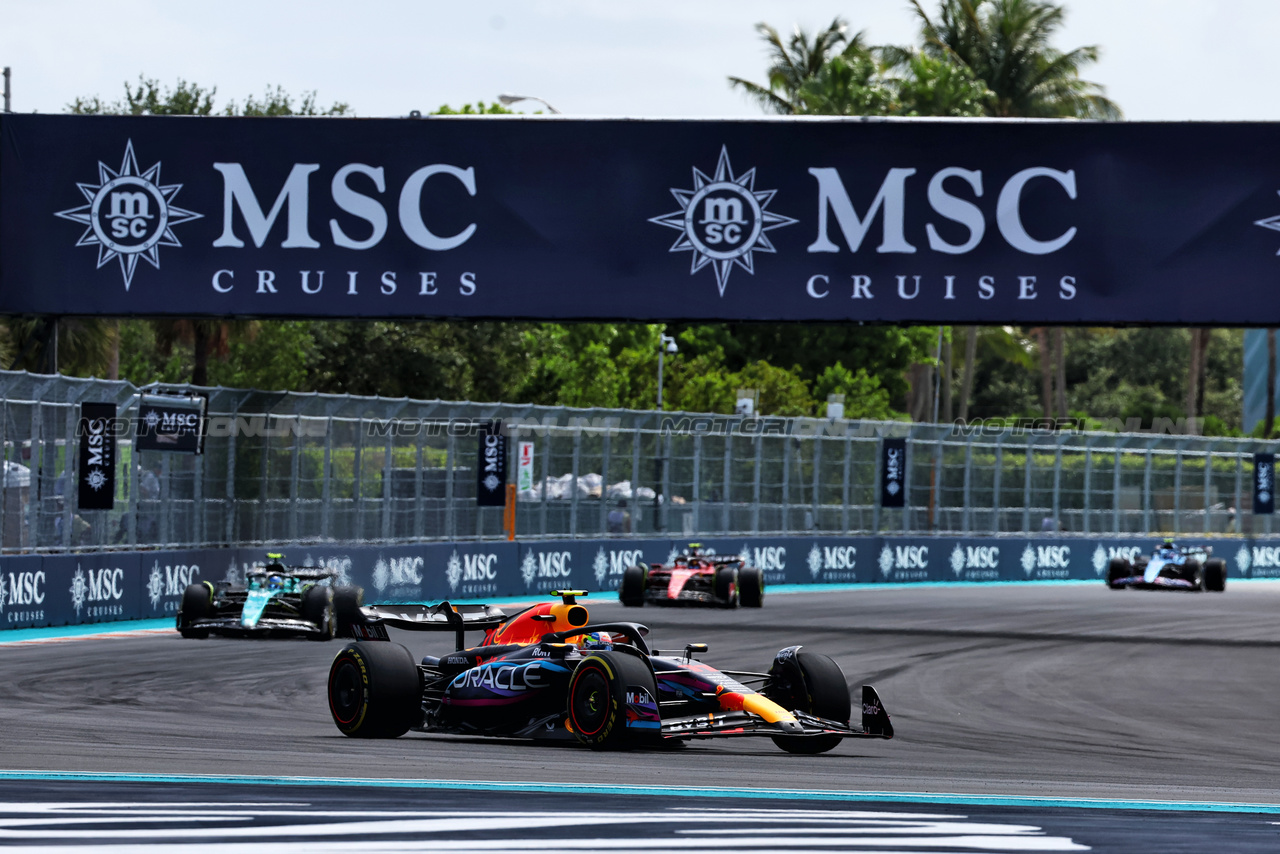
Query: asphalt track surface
(999, 693)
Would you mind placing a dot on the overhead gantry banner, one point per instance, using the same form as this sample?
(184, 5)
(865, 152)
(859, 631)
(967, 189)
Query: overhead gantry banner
(963, 221)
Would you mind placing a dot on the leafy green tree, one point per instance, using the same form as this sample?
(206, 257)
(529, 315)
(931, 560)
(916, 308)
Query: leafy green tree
(863, 395)
(1006, 44)
(797, 61)
(480, 108)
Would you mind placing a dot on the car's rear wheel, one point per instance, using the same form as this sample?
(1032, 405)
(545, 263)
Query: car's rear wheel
(346, 609)
(631, 590)
(375, 690)
(1116, 570)
(726, 586)
(317, 609)
(197, 604)
(813, 683)
(1215, 575)
(750, 587)
(597, 703)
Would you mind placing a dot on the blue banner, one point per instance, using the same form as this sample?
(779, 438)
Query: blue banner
(974, 221)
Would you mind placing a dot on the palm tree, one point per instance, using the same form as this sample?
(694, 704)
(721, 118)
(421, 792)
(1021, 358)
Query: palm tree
(1005, 43)
(797, 61)
(207, 338)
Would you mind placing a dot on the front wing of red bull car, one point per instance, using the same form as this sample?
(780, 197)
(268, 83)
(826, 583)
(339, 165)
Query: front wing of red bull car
(600, 684)
(694, 578)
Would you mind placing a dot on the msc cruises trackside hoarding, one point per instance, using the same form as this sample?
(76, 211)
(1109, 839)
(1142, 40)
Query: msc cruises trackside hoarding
(966, 221)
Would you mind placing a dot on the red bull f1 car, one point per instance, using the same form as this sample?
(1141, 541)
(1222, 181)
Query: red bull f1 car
(694, 578)
(275, 600)
(1170, 567)
(549, 673)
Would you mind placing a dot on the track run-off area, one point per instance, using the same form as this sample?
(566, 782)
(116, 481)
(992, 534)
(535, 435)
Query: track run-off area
(1029, 717)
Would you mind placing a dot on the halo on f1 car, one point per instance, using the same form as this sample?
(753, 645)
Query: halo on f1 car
(549, 673)
(1170, 567)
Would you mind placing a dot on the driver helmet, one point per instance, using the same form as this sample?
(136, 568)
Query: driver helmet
(595, 640)
(275, 582)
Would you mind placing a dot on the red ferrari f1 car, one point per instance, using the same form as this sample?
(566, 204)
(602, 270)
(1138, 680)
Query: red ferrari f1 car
(549, 673)
(694, 578)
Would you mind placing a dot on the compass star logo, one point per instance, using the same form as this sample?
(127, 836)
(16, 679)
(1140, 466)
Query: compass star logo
(96, 479)
(722, 220)
(129, 214)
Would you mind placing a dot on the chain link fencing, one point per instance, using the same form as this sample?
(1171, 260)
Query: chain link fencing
(287, 467)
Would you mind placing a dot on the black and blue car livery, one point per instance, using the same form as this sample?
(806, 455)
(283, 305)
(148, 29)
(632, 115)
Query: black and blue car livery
(549, 673)
(1170, 567)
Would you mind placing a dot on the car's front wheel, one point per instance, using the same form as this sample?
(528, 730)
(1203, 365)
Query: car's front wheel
(750, 587)
(197, 604)
(1116, 570)
(814, 683)
(1215, 575)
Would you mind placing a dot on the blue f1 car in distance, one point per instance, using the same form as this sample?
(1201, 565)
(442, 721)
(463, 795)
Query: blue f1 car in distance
(1170, 567)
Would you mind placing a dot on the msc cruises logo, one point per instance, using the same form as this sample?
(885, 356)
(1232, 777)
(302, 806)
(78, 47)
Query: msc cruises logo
(722, 220)
(129, 214)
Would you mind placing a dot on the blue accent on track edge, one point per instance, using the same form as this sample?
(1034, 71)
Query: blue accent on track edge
(660, 791)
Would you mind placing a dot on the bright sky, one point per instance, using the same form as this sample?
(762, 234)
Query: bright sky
(1162, 59)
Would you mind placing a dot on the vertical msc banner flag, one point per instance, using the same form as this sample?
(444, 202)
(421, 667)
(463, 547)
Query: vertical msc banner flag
(893, 472)
(491, 466)
(1264, 484)
(96, 483)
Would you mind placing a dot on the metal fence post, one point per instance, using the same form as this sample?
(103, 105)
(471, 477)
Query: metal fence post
(696, 498)
(605, 453)
(755, 486)
(1239, 491)
(635, 484)
(844, 486)
(965, 521)
(326, 494)
(70, 464)
(419, 523)
(229, 522)
(1208, 483)
(1026, 486)
(726, 507)
(295, 475)
(997, 476)
(1088, 485)
(573, 483)
(1057, 483)
(1115, 489)
(936, 486)
(908, 456)
(1177, 489)
(786, 484)
(387, 463)
(815, 497)
(875, 485)
(450, 458)
(1146, 493)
